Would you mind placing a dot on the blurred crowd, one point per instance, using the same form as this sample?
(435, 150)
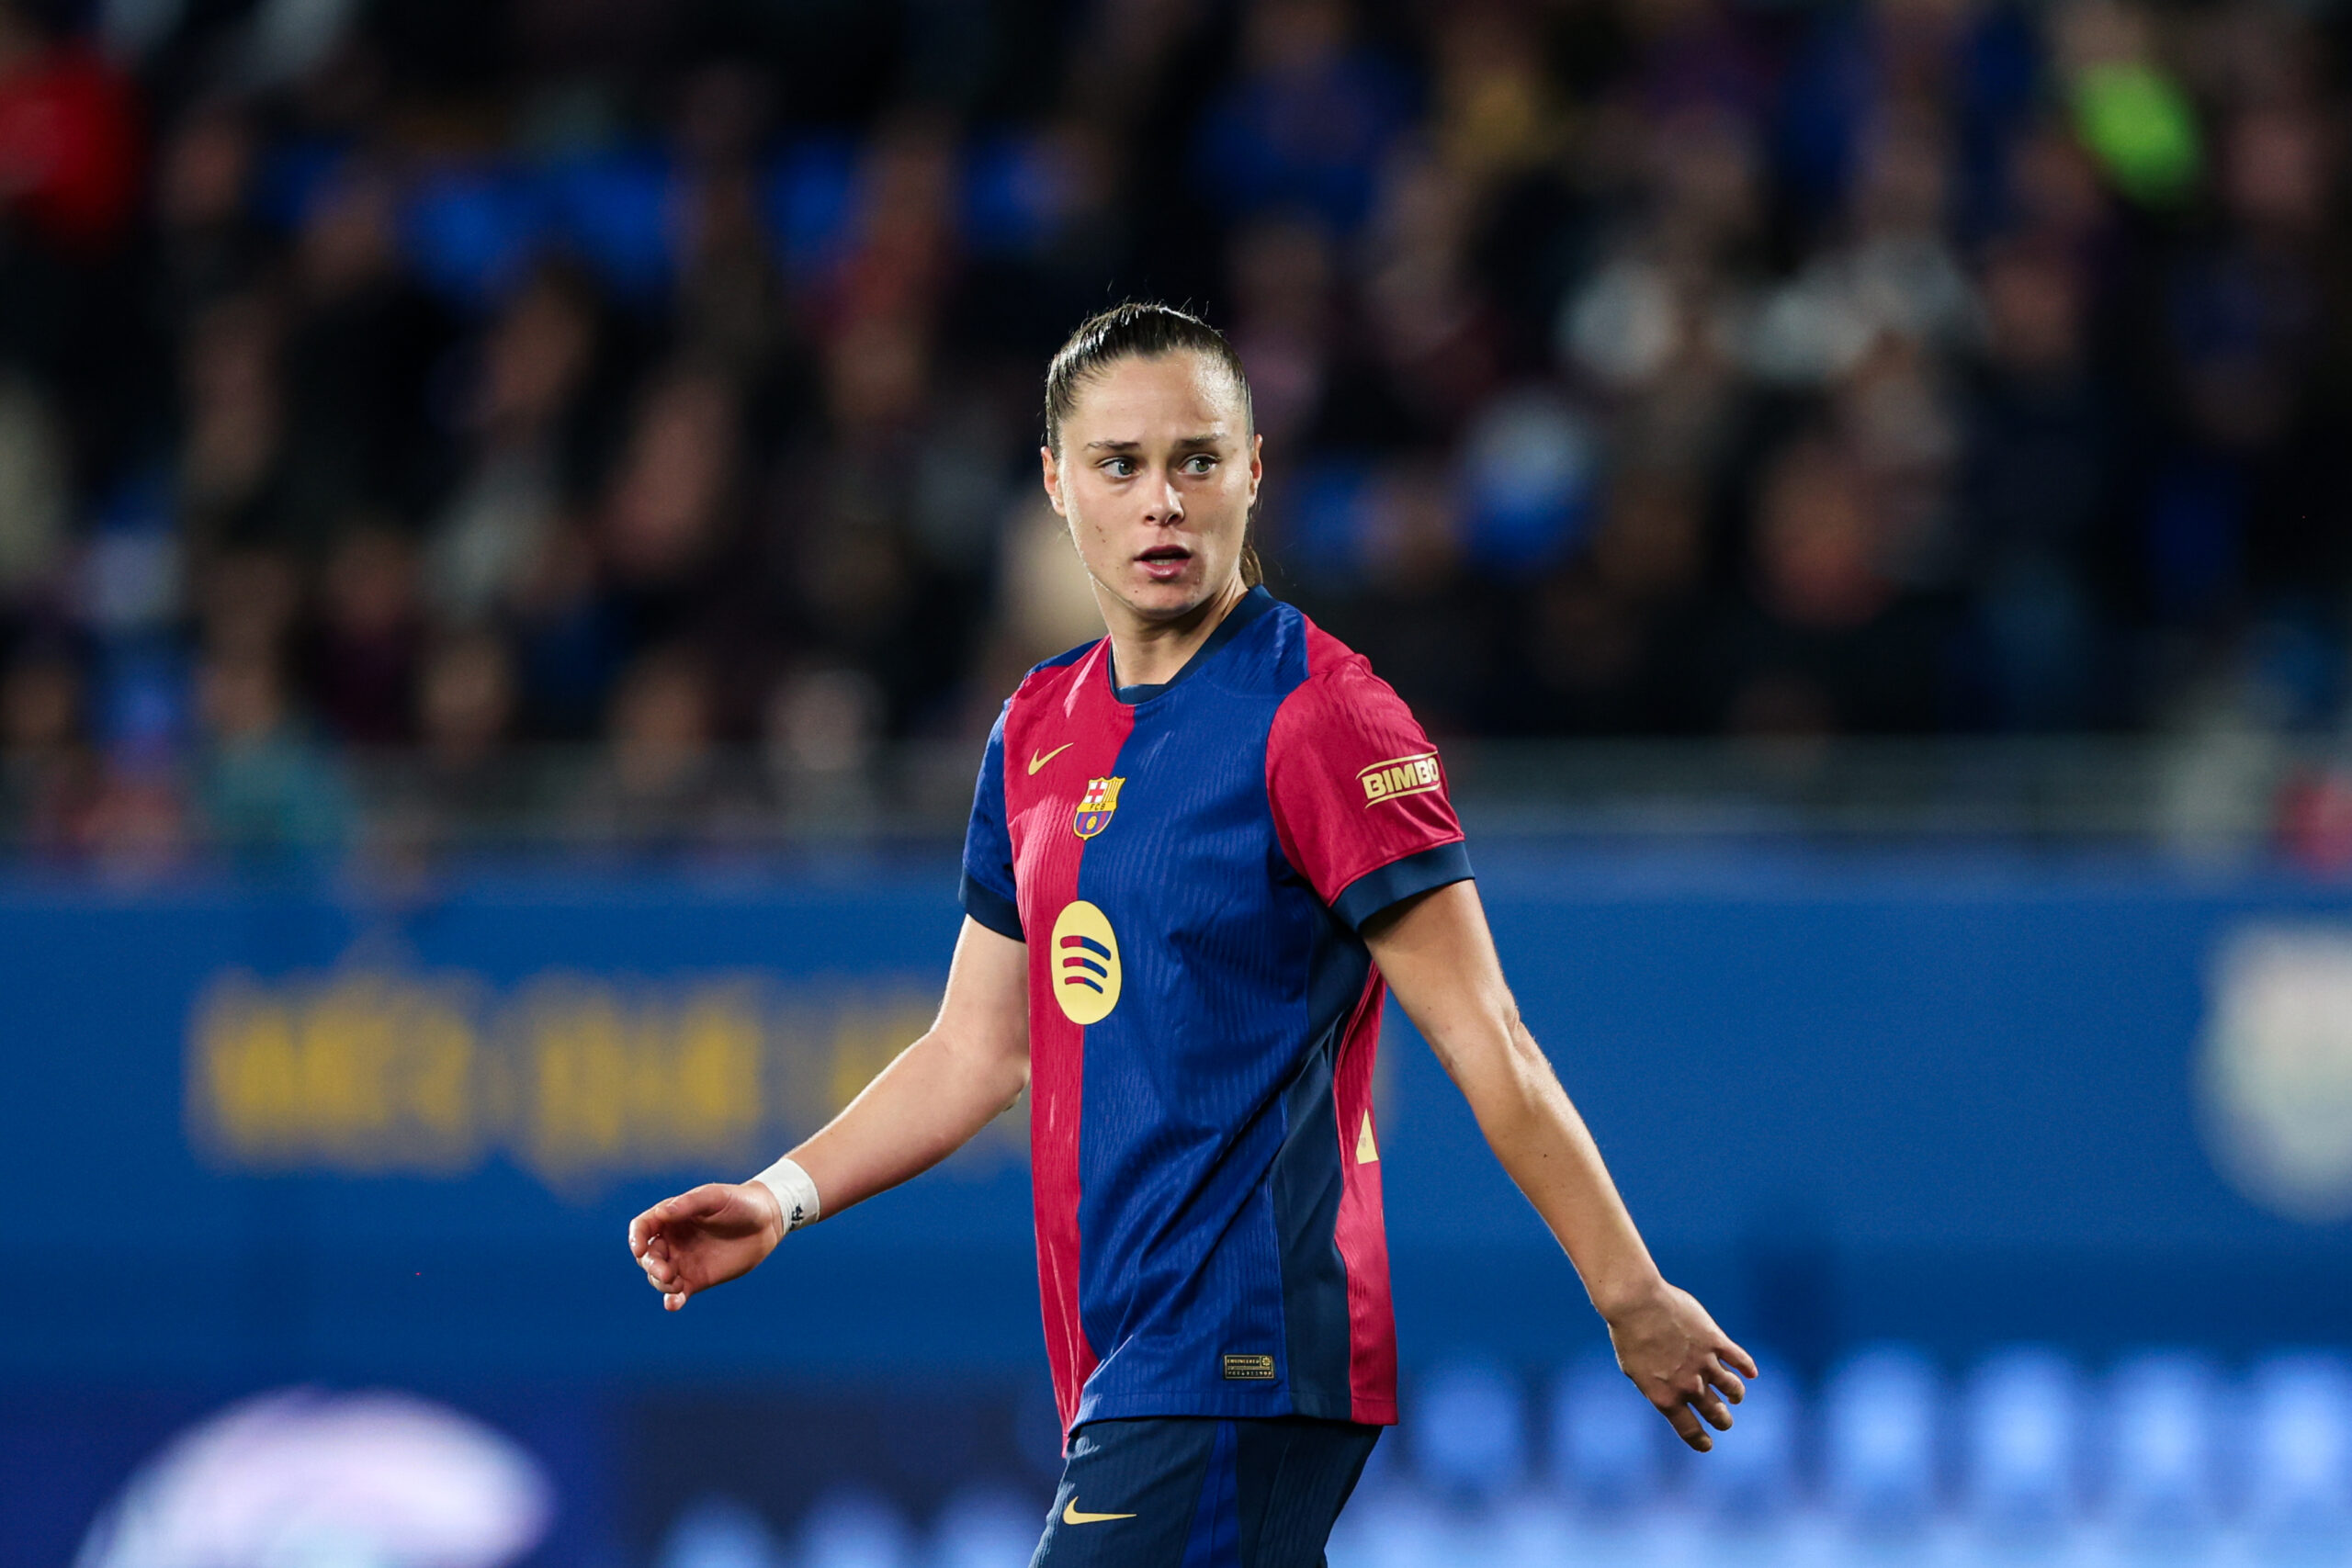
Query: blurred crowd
(400, 384)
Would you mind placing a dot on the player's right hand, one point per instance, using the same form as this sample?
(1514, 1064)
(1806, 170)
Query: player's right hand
(715, 1232)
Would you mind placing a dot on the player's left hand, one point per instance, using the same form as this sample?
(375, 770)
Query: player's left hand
(1682, 1363)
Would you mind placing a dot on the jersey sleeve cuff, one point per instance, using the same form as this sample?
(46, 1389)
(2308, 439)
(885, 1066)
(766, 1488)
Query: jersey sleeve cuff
(1400, 879)
(991, 907)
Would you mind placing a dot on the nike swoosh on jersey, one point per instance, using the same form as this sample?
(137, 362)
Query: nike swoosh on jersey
(1070, 1516)
(1035, 761)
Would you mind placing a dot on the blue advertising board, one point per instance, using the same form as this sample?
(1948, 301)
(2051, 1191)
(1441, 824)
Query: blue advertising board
(289, 1133)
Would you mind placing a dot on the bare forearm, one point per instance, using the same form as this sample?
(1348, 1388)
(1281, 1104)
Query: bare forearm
(1441, 962)
(1535, 1131)
(969, 1067)
(923, 1107)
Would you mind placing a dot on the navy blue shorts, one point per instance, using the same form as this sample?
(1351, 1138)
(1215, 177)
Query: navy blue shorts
(1198, 1492)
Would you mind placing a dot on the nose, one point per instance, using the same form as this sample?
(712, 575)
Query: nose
(1166, 508)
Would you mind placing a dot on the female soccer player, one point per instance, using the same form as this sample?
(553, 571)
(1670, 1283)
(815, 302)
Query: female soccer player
(1201, 851)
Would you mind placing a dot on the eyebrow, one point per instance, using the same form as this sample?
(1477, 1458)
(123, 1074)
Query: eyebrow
(1210, 440)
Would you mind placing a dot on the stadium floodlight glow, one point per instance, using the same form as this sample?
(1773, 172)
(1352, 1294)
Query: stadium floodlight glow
(2021, 1436)
(1879, 1416)
(984, 1527)
(720, 1532)
(2275, 1077)
(2162, 1431)
(308, 1479)
(2298, 1438)
(856, 1529)
(1470, 1430)
(1605, 1439)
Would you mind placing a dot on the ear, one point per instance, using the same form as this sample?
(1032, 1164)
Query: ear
(1053, 477)
(1257, 464)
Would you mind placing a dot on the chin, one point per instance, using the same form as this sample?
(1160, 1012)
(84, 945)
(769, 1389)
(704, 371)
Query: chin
(1168, 601)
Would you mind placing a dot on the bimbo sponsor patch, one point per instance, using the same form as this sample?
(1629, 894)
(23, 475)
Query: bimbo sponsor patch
(1401, 776)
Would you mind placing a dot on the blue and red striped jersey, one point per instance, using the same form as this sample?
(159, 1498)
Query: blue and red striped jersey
(1189, 866)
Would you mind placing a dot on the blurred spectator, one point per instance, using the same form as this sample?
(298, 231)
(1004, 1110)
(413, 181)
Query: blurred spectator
(268, 792)
(1610, 637)
(532, 364)
(660, 777)
(1283, 323)
(568, 639)
(48, 780)
(731, 309)
(1432, 337)
(1419, 612)
(667, 515)
(823, 726)
(2130, 111)
(1826, 640)
(1631, 368)
(69, 140)
(464, 786)
(246, 605)
(2037, 489)
(466, 704)
(233, 451)
(33, 491)
(1309, 121)
(363, 659)
(360, 350)
(207, 243)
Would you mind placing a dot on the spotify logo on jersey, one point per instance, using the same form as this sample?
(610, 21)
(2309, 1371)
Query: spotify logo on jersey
(1085, 959)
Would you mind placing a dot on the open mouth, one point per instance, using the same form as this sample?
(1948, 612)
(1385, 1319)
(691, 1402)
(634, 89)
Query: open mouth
(1165, 563)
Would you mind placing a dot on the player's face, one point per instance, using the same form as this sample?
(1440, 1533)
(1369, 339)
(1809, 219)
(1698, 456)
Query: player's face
(1156, 476)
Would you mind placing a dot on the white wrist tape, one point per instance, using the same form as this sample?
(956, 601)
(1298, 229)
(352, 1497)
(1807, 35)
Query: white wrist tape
(792, 1190)
(794, 1193)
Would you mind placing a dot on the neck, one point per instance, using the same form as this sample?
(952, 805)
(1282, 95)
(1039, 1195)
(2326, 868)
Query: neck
(1149, 653)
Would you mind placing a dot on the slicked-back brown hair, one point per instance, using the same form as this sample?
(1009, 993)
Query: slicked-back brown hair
(1142, 330)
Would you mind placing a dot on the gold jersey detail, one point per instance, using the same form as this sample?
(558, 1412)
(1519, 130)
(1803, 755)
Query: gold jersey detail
(1095, 807)
(1082, 960)
(1401, 776)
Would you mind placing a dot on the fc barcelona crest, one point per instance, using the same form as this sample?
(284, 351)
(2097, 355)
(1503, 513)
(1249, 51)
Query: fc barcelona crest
(1094, 808)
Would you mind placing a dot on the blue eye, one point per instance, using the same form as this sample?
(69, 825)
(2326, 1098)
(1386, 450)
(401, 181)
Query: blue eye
(1199, 463)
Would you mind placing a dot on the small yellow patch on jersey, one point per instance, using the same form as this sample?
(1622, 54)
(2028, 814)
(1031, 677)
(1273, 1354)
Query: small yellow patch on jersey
(1085, 963)
(1095, 807)
(1401, 776)
(1367, 1152)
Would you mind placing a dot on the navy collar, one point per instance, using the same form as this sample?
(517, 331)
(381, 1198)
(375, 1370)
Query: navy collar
(1254, 604)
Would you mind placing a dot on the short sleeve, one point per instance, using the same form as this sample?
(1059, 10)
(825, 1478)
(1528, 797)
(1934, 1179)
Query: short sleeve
(988, 890)
(1359, 796)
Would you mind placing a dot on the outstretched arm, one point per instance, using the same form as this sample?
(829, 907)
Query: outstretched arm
(969, 1067)
(1440, 960)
